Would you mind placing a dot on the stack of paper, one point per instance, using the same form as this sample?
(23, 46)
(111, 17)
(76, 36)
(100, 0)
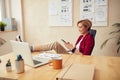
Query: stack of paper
(47, 55)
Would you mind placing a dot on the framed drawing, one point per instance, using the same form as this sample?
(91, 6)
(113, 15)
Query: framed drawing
(94, 10)
(60, 12)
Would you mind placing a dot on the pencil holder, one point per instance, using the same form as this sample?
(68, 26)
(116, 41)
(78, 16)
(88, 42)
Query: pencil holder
(19, 64)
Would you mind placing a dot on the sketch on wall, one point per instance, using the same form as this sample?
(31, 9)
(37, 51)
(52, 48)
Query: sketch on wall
(94, 10)
(60, 13)
(66, 11)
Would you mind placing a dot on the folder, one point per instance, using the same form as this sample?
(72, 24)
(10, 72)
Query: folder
(77, 72)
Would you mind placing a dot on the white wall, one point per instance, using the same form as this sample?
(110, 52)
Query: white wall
(16, 12)
(37, 30)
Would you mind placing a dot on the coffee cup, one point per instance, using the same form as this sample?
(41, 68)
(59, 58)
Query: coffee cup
(56, 62)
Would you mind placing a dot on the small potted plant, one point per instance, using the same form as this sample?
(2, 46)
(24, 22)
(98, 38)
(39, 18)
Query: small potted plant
(19, 63)
(2, 25)
(8, 66)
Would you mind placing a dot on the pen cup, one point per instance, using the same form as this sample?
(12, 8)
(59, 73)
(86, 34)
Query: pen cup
(56, 62)
(19, 66)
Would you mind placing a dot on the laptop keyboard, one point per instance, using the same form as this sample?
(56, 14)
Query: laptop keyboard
(36, 62)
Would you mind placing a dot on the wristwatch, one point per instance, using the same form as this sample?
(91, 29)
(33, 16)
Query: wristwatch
(73, 50)
(0, 60)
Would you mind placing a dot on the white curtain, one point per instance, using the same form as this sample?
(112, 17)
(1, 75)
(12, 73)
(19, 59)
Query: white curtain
(2, 9)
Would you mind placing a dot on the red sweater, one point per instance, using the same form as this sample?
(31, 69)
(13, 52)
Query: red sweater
(87, 44)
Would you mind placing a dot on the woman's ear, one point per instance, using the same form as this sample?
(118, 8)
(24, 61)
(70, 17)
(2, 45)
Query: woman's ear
(88, 28)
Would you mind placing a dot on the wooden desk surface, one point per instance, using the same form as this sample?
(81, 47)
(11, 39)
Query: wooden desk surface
(106, 68)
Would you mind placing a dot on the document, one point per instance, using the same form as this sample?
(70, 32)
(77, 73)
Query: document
(47, 55)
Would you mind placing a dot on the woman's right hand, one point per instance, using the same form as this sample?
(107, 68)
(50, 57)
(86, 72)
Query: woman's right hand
(69, 45)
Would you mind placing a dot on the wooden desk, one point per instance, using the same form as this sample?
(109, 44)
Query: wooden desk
(106, 68)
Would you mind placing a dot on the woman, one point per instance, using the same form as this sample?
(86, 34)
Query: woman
(84, 44)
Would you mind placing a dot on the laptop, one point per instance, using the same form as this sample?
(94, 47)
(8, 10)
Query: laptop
(23, 49)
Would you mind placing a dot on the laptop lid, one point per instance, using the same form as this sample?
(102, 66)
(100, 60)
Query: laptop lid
(24, 49)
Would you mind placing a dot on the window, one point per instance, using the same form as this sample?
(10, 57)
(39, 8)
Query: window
(2, 10)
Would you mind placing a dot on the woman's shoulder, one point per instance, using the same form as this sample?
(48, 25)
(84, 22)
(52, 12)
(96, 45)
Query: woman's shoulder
(89, 36)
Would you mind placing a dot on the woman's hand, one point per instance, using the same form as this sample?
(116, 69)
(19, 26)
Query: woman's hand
(68, 45)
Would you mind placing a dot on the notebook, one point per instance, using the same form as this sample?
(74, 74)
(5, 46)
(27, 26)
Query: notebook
(77, 72)
(23, 48)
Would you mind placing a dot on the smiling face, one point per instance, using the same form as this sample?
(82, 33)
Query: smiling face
(84, 26)
(83, 30)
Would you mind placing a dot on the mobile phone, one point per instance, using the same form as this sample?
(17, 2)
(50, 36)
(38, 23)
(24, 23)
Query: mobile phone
(63, 40)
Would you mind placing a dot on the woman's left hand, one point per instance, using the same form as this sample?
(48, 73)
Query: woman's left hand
(77, 52)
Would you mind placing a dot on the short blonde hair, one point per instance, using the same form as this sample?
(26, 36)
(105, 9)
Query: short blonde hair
(86, 23)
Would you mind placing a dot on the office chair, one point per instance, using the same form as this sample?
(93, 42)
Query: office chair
(93, 32)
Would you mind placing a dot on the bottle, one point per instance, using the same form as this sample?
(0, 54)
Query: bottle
(8, 66)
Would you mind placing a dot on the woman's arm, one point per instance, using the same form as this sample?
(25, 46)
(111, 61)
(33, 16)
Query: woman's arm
(71, 47)
(77, 52)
